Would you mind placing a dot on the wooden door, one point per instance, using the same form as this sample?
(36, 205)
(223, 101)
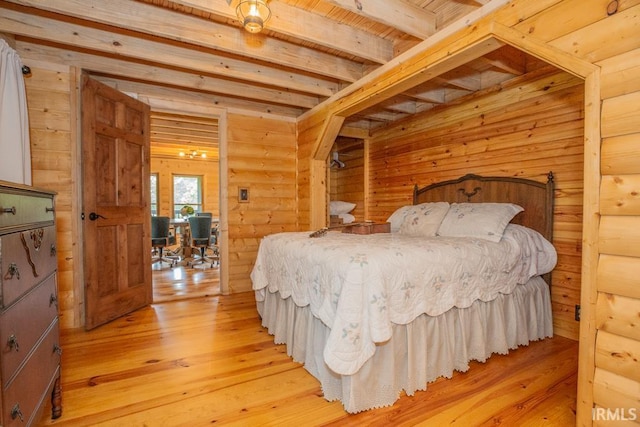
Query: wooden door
(116, 208)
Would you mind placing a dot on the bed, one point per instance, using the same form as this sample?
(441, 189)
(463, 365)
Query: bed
(462, 275)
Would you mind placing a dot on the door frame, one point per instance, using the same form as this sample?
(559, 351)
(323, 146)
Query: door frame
(159, 104)
(205, 110)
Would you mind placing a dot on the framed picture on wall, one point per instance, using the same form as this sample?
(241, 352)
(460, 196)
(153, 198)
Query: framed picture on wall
(243, 194)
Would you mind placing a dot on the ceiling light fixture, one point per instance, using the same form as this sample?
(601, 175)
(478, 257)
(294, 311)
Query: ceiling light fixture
(193, 154)
(253, 14)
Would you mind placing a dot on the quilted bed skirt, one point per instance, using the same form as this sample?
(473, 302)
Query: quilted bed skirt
(419, 352)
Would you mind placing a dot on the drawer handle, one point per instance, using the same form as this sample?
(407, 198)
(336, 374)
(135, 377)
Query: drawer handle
(11, 210)
(13, 271)
(57, 349)
(16, 412)
(13, 343)
(53, 300)
(36, 236)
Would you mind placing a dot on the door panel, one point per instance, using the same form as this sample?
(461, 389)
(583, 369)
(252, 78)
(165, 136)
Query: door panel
(116, 209)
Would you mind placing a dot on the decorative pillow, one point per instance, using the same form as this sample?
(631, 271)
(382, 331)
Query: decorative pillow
(397, 217)
(347, 218)
(424, 219)
(337, 207)
(481, 220)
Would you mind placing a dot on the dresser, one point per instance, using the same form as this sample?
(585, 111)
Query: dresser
(29, 331)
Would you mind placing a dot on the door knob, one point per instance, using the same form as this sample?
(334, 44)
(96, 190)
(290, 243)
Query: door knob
(93, 216)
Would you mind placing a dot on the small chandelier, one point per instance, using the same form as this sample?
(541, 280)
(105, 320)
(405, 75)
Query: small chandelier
(193, 154)
(253, 14)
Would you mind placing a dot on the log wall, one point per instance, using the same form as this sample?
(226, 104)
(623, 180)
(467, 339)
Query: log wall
(348, 184)
(166, 168)
(51, 100)
(616, 381)
(262, 158)
(539, 130)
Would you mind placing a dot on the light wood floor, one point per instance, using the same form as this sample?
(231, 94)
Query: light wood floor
(208, 361)
(182, 282)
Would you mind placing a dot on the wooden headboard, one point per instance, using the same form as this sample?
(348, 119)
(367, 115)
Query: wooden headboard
(535, 197)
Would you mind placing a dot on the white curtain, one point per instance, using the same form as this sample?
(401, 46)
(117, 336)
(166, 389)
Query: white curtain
(15, 148)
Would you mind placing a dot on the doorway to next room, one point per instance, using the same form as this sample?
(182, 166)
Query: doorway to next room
(185, 172)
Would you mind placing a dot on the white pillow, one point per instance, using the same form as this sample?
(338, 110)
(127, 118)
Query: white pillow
(481, 220)
(347, 218)
(337, 207)
(424, 219)
(397, 217)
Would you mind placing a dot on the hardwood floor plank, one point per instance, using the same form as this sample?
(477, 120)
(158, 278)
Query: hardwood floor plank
(209, 361)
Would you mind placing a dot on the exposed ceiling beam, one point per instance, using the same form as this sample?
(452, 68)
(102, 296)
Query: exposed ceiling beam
(164, 76)
(394, 13)
(200, 62)
(311, 27)
(153, 20)
(191, 97)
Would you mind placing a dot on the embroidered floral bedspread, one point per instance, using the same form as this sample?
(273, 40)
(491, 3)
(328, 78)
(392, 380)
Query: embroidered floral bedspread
(359, 285)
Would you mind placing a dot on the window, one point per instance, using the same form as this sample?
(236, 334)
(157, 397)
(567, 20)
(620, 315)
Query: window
(187, 191)
(153, 186)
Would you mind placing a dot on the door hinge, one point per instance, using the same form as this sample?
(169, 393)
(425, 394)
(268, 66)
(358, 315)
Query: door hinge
(576, 313)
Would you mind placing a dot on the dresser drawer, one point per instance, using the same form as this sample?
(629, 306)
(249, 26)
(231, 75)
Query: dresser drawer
(23, 324)
(18, 209)
(27, 258)
(33, 383)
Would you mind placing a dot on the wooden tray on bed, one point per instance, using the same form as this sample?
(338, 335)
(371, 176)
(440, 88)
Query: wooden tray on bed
(368, 228)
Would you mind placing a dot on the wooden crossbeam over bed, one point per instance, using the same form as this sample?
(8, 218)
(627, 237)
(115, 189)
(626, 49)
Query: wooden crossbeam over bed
(535, 197)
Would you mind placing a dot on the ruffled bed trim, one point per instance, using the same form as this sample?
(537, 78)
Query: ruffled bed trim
(419, 352)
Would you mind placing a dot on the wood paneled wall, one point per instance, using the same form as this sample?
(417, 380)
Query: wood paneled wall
(347, 184)
(526, 129)
(51, 98)
(166, 168)
(262, 158)
(616, 380)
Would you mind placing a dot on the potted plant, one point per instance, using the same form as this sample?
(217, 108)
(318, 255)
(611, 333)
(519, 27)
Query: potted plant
(186, 211)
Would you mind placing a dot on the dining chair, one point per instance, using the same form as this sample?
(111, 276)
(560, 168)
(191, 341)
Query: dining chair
(161, 238)
(215, 249)
(200, 229)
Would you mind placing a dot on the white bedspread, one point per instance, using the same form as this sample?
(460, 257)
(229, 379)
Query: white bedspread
(360, 285)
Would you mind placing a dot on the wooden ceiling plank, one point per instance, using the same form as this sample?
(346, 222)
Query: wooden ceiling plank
(134, 47)
(508, 59)
(394, 13)
(170, 125)
(130, 70)
(456, 80)
(311, 27)
(160, 130)
(422, 61)
(427, 93)
(158, 135)
(400, 104)
(198, 98)
(186, 137)
(184, 119)
(153, 20)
